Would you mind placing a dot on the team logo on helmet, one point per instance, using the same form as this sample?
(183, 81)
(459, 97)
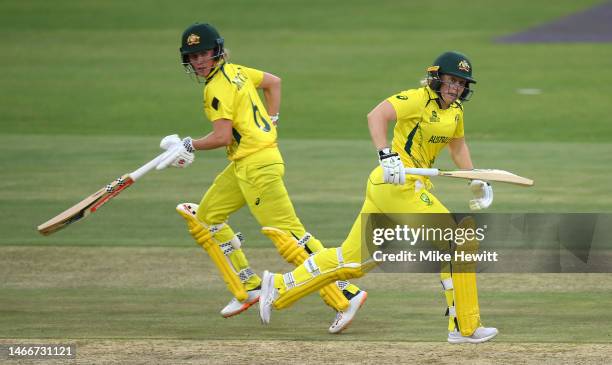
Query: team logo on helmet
(193, 39)
(464, 66)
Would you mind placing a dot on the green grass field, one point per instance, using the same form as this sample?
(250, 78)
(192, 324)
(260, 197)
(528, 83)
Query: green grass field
(89, 88)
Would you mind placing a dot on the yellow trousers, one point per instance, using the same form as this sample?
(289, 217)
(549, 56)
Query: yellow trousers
(413, 197)
(255, 181)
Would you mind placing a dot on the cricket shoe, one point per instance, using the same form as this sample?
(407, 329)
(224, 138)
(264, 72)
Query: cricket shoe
(482, 334)
(269, 293)
(235, 306)
(344, 318)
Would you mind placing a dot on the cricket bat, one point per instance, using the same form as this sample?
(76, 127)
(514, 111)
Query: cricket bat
(479, 174)
(93, 202)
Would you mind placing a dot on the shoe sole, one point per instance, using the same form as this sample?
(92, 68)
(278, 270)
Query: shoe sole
(471, 340)
(244, 307)
(351, 321)
(267, 284)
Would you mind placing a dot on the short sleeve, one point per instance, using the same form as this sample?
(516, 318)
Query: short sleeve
(256, 76)
(405, 103)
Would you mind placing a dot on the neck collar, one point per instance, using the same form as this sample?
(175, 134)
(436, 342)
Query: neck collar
(214, 71)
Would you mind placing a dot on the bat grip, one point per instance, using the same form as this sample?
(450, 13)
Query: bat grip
(138, 173)
(422, 171)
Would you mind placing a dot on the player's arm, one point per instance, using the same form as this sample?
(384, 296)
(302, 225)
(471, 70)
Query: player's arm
(460, 153)
(378, 123)
(271, 86)
(220, 136)
(181, 151)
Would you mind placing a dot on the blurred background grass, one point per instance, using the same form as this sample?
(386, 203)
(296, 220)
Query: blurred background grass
(110, 67)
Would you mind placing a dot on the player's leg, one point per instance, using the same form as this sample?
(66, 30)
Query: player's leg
(296, 251)
(323, 268)
(217, 238)
(459, 282)
(268, 200)
(463, 308)
(342, 263)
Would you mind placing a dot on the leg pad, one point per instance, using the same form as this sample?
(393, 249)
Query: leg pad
(290, 296)
(464, 285)
(294, 251)
(203, 236)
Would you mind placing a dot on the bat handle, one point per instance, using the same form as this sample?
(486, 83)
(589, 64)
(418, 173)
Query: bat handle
(422, 171)
(138, 173)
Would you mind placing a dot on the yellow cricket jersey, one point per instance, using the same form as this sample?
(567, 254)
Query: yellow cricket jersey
(423, 129)
(231, 93)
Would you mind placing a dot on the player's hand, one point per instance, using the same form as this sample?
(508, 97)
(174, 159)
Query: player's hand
(483, 195)
(169, 141)
(179, 155)
(393, 168)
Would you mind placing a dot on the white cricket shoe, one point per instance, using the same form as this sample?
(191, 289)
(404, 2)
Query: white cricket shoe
(482, 334)
(236, 307)
(268, 295)
(344, 318)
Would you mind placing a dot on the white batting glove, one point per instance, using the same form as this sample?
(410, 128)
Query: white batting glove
(169, 141)
(483, 195)
(274, 118)
(393, 168)
(179, 155)
(188, 144)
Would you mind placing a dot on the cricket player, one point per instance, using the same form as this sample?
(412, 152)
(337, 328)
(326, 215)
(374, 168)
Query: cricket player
(428, 119)
(254, 177)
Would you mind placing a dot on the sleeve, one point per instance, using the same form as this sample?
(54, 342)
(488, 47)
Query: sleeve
(219, 102)
(459, 128)
(256, 76)
(405, 103)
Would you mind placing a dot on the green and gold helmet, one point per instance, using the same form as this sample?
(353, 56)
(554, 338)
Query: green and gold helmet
(200, 37)
(451, 63)
(454, 63)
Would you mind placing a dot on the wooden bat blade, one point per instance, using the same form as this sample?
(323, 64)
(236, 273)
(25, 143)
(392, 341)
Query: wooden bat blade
(86, 206)
(489, 175)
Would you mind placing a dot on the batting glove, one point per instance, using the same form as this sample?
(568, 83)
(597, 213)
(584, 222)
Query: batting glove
(178, 156)
(393, 168)
(483, 195)
(274, 118)
(169, 141)
(188, 144)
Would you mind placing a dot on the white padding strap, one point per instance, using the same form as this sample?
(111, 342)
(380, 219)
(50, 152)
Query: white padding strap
(214, 228)
(340, 257)
(245, 274)
(234, 244)
(311, 266)
(289, 280)
(447, 284)
(236, 241)
(452, 312)
(302, 241)
(227, 248)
